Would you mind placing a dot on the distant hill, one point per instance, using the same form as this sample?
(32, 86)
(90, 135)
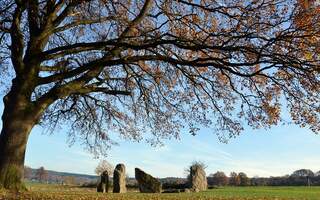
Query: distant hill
(51, 176)
(86, 176)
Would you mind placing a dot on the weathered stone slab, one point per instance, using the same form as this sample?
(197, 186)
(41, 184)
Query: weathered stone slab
(103, 186)
(198, 179)
(119, 179)
(147, 183)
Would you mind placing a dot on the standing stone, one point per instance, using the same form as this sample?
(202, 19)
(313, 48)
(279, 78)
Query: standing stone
(147, 183)
(103, 186)
(198, 179)
(119, 179)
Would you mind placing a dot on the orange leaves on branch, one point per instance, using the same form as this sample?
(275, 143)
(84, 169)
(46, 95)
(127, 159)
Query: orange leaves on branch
(223, 79)
(273, 112)
(144, 66)
(261, 81)
(158, 75)
(195, 19)
(308, 21)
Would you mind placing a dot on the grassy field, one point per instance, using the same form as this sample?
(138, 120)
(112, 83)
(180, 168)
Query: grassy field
(42, 191)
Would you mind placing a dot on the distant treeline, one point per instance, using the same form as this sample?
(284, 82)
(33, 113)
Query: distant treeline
(302, 177)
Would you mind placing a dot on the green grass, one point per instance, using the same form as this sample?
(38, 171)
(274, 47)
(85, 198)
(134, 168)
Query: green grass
(310, 193)
(44, 191)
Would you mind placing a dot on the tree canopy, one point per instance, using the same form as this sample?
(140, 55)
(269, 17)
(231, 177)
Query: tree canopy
(157, 66)
(303, 173)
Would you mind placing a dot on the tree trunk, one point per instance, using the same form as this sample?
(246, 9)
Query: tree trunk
(17, 122)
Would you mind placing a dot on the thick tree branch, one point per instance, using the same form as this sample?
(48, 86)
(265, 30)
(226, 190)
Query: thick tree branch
(82, 22)
(94, 66)
(144, 12)
(33, 17)
(67, 11)
(17, 39)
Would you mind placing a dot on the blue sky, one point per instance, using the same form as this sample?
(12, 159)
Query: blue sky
(272, 152)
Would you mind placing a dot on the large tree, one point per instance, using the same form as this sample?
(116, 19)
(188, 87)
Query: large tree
(135, 67)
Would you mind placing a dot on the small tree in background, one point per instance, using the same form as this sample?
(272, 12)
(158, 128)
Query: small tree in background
(234, 179)
(42, 174)
(244, 180)
(219, 178)
(104, 166)
(304, 174)
(198, 164)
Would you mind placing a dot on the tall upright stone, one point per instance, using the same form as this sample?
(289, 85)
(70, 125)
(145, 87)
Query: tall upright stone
(147, 183)
(119, 179)
(198, 179)
(103, 186)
